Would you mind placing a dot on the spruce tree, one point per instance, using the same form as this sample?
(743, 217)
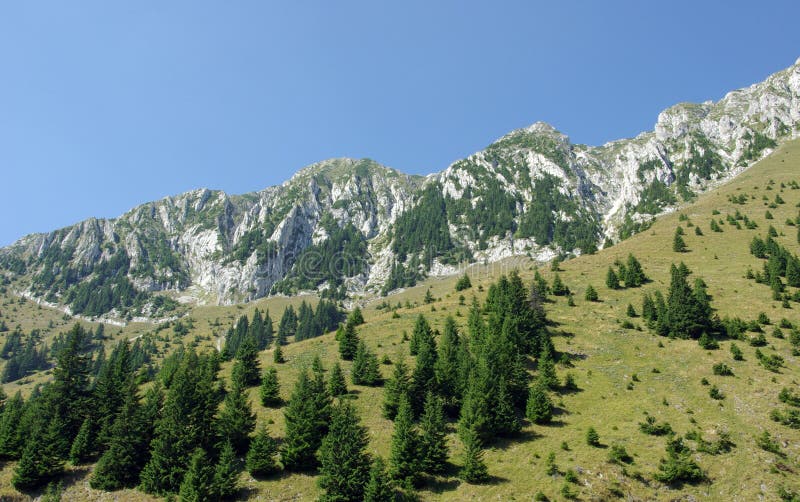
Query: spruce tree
(109, 393)
(260, 461)
(269, 391)
(396, 387)
(432, 440)
(422, 331)
(592, 437)
(423, 378)
(82, 447)
(379, 486)
(546, 369)
(10, 440)
(539, 409)
(447, 368)
(678, 244)
(288, 325)
(247, 361)
(365, 366)
(126, 455)
(336, 384)
(559, 288)
(69, 392)
(504, 415)
(612, 281)
(225, 482)
(591, 294)
(405, 459)
(474, 469)
(634, 274)
(344, 463)
(197, 483)
(236, 420)
(41, 459)
(356, 318)
(277, 355)
(348, 344)
(307, 416)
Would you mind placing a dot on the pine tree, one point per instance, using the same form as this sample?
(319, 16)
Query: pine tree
(197, 483)
(678, 467)
(348, 344)
(591, 294)
(356, 318)
(631, 311)
(288, 325)
(504, 414)
(344, 463)
(592, 437)
(612, 281)
(405, 460)
(109, 394)
(793, 272)
(634, 274)
(366, 370)
(260, 461)
(432, 440)
(423, 378)
(236, 420)
(307, 417)
(379, 487)
(81, 449)
(336, 384)
(396, 387)
(270, 389)
(225, 482)
(539, 409)
(463, 283)
(247, 359)
(474, 469)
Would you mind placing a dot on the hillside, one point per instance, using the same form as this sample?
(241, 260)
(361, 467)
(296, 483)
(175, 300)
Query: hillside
(622, 368)
(352, 229)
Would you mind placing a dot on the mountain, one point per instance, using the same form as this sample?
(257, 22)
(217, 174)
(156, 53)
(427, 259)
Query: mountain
(349, 227)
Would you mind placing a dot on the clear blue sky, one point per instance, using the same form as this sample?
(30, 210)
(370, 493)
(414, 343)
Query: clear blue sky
(105, 105)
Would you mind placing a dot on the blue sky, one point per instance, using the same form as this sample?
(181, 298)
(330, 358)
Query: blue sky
(105, 105)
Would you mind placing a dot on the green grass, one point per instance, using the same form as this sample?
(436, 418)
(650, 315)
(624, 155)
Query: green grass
(606, 356)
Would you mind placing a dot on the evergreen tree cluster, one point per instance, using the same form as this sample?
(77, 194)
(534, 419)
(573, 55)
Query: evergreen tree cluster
(686, 312)
(780, 264)
(630, 273)
(259, 329)
(23, 354)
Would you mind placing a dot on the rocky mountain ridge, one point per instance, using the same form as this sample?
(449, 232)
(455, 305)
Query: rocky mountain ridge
(348, 226)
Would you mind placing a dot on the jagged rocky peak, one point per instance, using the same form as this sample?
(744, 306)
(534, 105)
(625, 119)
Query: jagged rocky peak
(530, 192)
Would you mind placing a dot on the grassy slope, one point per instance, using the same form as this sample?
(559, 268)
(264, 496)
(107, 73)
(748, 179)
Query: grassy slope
(608, 358)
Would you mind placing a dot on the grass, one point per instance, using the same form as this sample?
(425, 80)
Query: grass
(605, 357)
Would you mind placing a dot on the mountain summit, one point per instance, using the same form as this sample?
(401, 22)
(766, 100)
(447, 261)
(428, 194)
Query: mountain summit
(347, 226)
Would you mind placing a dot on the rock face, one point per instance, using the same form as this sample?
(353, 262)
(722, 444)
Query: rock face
(531, 192)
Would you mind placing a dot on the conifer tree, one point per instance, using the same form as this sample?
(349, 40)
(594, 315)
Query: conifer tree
(277, 355)
(634, 274)
(678, 467)
(612, 281)
(405, 460)
(591, 294)
(69, 392)
(504, 415)
(260, 461)
(348, 344)
(546, 369)
(423, 378)
(307, 416)
(236, 420)
(678, 244)
(225, 482)
(247, 360)
(793, 272)
(365, 366)
(126, 455)
(422, 331)
(197, 483)
(379, 486)
(432, 440)
(336, 384)
(559, 288)
(109, 393)
(475, 413)
(396, 387)
(474, 469)
(41, 459)
(10, 440)
(269, 391)
(287, 326)
(344, 462)
(539, 409)
(82, 445)
(447, 368)
(356, 318)
(592, 437)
